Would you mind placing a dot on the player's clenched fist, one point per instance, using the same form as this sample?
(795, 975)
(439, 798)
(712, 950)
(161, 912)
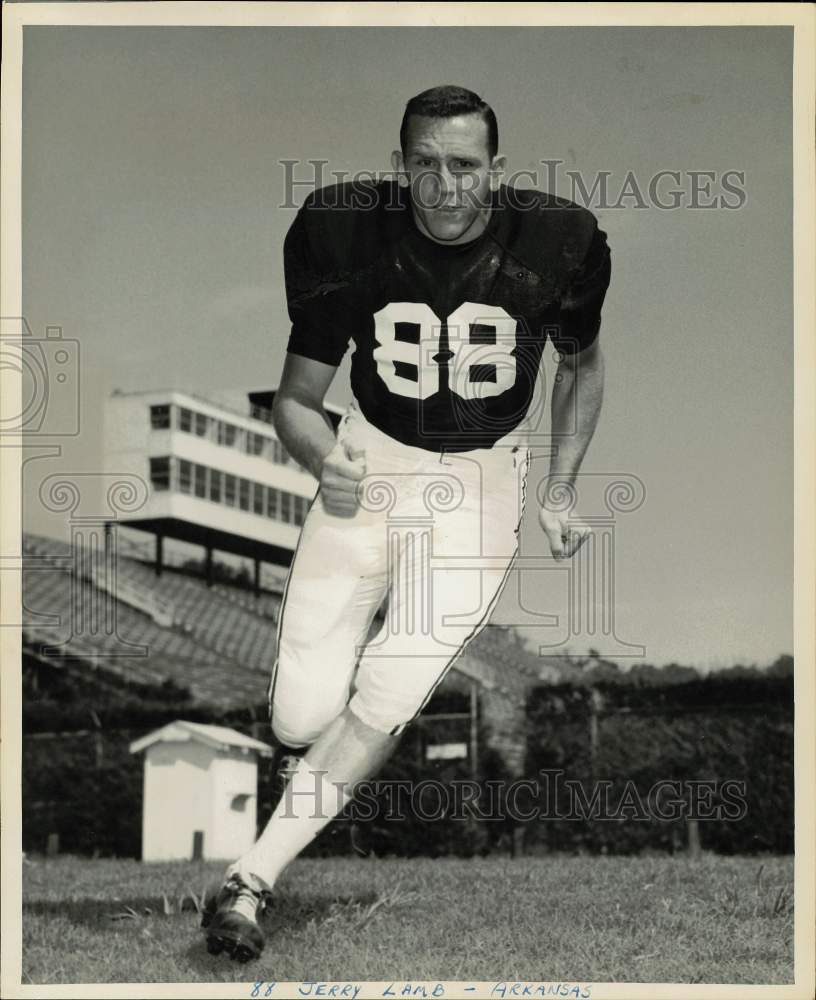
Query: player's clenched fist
(566, 535)
(343, 468)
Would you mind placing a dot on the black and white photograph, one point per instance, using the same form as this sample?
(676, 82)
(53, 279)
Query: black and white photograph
(407, 548)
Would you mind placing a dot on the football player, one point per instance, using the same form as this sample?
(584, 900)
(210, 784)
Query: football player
(449, 284)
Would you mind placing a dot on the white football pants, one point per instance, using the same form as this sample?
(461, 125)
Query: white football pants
(434, 533)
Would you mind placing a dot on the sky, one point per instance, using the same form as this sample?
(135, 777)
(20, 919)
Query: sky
(155, 206)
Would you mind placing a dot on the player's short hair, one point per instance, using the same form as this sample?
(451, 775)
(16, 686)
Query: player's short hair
(446, 102)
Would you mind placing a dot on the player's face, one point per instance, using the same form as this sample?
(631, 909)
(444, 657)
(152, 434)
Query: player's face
(448, 166)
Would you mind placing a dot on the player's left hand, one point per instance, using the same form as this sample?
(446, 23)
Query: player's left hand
(565, 533)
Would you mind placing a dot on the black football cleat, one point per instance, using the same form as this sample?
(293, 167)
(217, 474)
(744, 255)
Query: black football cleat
(231, 918)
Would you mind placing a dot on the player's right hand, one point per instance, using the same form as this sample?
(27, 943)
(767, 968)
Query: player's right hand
(343, 468)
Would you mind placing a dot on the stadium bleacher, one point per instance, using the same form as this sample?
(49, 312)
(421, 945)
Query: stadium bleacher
(221, 643)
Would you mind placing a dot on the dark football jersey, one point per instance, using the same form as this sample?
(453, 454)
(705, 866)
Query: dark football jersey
(448, 338)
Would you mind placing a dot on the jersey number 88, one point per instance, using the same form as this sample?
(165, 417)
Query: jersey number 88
(481, 346)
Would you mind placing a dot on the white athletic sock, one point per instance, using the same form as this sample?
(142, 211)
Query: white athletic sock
(310, 801)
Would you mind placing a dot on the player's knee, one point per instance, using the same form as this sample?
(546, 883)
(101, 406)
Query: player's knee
(295, 733)
(295, 737)
(300, 725)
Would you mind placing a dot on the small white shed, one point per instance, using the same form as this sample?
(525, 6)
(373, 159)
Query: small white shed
(200, 791)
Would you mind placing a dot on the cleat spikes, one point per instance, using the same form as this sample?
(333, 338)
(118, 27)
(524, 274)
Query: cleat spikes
(243, 954)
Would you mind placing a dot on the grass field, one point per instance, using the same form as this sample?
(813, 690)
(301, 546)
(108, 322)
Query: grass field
(716, 920)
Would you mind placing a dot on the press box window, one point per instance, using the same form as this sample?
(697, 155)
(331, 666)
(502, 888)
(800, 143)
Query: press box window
(301, 505)
(160, 418)
(201, 480)
(185, 476)
(215, 485)
(254, 443)
(230, 490)
(258, 499)
(244, 494)
(227, 434)
(286, 507)
(160, 473)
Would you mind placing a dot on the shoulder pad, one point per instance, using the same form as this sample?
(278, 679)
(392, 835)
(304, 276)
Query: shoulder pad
(336, 217)
(550, 235)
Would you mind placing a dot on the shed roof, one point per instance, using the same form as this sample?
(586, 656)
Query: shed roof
(217, 737)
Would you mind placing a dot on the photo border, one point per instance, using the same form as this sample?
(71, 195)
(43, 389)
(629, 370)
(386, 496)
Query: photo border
(17, 15)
